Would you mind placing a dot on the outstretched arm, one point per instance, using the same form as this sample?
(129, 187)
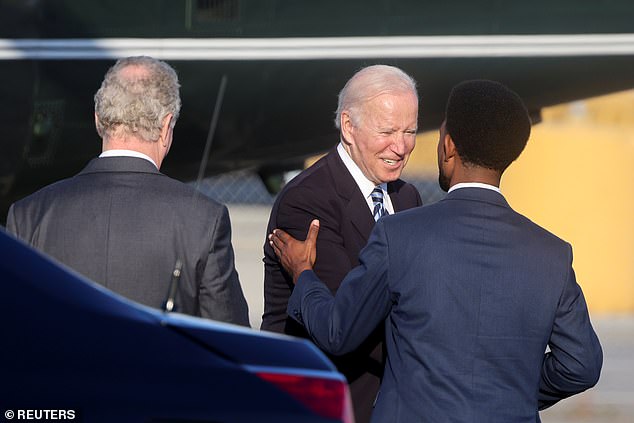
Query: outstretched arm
(337, 324)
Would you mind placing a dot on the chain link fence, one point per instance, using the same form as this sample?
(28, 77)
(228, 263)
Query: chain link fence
(246, 188)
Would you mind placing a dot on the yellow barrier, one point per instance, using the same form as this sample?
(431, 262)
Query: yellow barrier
(576, 178)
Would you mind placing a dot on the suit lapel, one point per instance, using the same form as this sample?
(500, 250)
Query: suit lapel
(356, 210)
(360, 217)
(402, 195)
(395, 198)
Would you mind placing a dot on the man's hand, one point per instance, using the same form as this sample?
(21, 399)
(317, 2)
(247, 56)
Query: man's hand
(296, 256)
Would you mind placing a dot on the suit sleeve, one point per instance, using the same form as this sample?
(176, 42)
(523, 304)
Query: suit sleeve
(296, 212)
(293, 214)
(220, 294)
(339, 324)
(575, 358)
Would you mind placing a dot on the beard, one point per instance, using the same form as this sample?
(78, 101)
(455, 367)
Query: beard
(443, 181)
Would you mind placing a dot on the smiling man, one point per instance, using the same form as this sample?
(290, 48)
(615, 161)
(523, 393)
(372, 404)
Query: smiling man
(348, 190)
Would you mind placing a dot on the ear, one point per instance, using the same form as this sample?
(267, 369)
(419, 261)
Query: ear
(102, 134)
(449, 148)
(166, 131)
(347, 128)
(449, 156)
(97, 126)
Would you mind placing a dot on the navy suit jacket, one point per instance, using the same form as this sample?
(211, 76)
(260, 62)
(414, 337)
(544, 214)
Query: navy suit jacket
(472, 293)
(328, 192)
(123, 224)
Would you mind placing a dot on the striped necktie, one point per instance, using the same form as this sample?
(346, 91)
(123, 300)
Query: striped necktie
(377, 199)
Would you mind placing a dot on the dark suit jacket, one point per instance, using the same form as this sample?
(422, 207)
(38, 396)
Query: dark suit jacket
(123, 224)
(471, 293)
(326, 191)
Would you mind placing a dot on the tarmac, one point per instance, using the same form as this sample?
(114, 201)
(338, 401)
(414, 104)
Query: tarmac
(612, 400)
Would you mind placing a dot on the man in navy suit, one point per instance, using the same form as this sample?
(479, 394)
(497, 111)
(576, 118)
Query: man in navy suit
(484, 319)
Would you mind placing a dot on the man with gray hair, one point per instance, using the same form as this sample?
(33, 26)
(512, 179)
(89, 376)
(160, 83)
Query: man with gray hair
(348, 189)
(124, 224)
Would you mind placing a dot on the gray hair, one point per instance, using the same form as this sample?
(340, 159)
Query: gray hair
(137, 105)
(368, 83)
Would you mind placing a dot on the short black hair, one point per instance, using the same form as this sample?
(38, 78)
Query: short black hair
(488, 123)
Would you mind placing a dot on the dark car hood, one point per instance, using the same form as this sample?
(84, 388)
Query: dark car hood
(248, 346)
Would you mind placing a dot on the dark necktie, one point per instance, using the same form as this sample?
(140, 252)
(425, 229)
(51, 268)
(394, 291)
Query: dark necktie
(377, 199)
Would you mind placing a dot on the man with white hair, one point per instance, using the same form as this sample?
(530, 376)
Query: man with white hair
(350, 188)
(124, 224)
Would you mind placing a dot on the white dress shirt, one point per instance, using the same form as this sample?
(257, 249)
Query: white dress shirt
(127, 153)
(365, 185)
(474, 185)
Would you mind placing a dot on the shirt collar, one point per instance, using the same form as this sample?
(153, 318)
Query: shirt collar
(365, 185)
(474, 185)
(127, 153)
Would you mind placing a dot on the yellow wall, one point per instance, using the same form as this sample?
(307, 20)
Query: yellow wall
(576, 179)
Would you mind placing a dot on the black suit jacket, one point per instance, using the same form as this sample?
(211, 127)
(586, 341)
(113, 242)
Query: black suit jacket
(327, 191)
(123, 224)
